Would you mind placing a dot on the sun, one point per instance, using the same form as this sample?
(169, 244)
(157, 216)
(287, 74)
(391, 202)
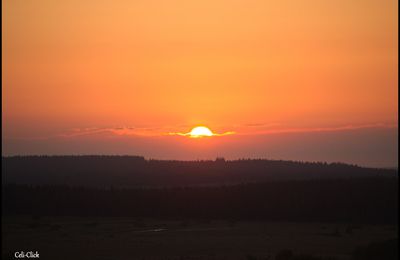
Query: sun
(200, 131)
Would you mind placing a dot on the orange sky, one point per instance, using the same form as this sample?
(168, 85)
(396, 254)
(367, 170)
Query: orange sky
(242, 66)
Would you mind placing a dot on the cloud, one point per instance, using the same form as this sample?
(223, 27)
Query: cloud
(315, 129)
(136, 131)
(246, 129)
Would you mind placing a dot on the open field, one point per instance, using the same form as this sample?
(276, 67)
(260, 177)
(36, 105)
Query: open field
(130, 238)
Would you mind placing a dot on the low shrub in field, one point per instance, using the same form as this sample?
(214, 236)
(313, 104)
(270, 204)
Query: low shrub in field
(385, 250)
(287, 254)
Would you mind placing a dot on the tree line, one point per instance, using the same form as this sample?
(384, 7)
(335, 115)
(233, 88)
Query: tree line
(372, 200)
(136, 171)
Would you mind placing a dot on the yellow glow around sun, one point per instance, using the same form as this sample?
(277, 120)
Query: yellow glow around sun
(200, 131)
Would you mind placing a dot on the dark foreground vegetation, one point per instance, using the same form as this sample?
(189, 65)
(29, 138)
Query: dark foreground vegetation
(371, 200)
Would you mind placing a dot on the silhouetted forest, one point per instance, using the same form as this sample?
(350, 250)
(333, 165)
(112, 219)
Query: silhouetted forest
(135, 171)
(372, 200)
(240, 189)
(52, 202)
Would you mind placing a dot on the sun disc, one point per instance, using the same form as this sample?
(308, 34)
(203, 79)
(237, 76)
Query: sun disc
(200, 131)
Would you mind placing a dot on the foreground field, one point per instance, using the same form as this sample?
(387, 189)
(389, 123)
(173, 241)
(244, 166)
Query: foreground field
(128, 238)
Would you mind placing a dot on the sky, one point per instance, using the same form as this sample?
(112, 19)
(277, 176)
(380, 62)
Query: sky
(301, 80)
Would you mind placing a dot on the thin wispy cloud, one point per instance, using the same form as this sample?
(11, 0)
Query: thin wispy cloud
(121, 131)
(245, 129)
(318, 129)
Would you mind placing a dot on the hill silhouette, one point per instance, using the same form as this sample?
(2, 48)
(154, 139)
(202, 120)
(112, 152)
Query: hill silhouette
(136, 171)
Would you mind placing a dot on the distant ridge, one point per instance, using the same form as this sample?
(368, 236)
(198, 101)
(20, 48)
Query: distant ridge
(136, 171)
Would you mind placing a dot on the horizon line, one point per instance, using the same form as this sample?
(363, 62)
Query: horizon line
(201, 160)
